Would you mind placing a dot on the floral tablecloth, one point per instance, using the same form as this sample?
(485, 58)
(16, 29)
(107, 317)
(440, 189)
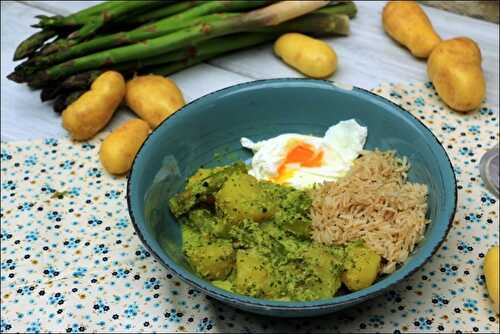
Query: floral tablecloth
(71, 262)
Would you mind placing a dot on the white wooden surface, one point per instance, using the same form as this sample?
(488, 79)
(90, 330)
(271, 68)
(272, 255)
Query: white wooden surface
(366, 58)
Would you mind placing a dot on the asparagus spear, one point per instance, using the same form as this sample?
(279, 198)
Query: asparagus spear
(50, 92)
(67, 49)
(159, 13)
(179, 65)
(317, 23)
(343, 8)
(80, 80)
(268, 16)
(106, 42)
(210, 47)
(57, 21)
(81, 17)
(321, 22)
(92, 25)
(32, 43)
(60, 44)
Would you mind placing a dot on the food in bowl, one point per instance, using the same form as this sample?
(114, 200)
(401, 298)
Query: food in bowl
(304, 219)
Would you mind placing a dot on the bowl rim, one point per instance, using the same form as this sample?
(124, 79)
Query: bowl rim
(270, 305)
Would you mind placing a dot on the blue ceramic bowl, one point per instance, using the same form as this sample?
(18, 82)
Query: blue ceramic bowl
(207, 132)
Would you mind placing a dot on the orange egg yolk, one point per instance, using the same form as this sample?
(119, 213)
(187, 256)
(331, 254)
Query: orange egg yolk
(302, 154)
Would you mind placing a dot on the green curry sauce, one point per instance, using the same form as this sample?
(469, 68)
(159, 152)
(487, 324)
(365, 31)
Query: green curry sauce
(254, 238)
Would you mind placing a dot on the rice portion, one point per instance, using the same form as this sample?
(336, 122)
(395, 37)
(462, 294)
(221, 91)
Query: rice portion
(373, 203)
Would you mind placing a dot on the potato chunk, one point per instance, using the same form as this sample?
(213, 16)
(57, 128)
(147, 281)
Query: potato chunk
(212, 260)
(241, 198)
(325, 279)
(362, 267)
(252, 273)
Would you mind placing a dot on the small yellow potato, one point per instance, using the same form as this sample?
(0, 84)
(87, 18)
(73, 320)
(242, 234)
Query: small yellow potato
(310, 56)
(153, 98)
(454, 67)
(491, 267)
(85, 117)
(408, 24)
(119, 148)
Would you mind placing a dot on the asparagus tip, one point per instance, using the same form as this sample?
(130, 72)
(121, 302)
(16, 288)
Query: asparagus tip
(59, 104)
(49, 93)
(18, 55)
(38, 79)
(21, 66)
(343, 25)
(16, 77)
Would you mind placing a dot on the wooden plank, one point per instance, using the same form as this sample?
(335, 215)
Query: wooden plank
(24, 116)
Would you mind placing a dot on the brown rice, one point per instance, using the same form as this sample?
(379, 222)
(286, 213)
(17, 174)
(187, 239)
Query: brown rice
(373, 203)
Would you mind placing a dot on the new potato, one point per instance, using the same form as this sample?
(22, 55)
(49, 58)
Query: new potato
(153, 98)
(491, 275)
(454, 67)
(85, 117)
(119, 148)
(310, 56)
(407, 23)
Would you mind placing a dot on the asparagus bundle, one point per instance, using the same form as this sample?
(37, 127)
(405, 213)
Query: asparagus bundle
(159, 37)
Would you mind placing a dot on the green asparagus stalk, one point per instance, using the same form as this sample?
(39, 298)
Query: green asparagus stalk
(171, 68)
(83, 82)
(316, 23)
(159, 13)
(50, 92)
(100, 10)
(80, 80)
(67, 49)
(210, 47)
(343, 8)
(110, 41)
(206, 48)
(60, 44)
(210, 51)
(84, 13)
(32, 43)
(268, 16)
(320, 23)
(92, 25)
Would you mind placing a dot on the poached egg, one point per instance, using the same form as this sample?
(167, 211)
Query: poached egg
(301, 161)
